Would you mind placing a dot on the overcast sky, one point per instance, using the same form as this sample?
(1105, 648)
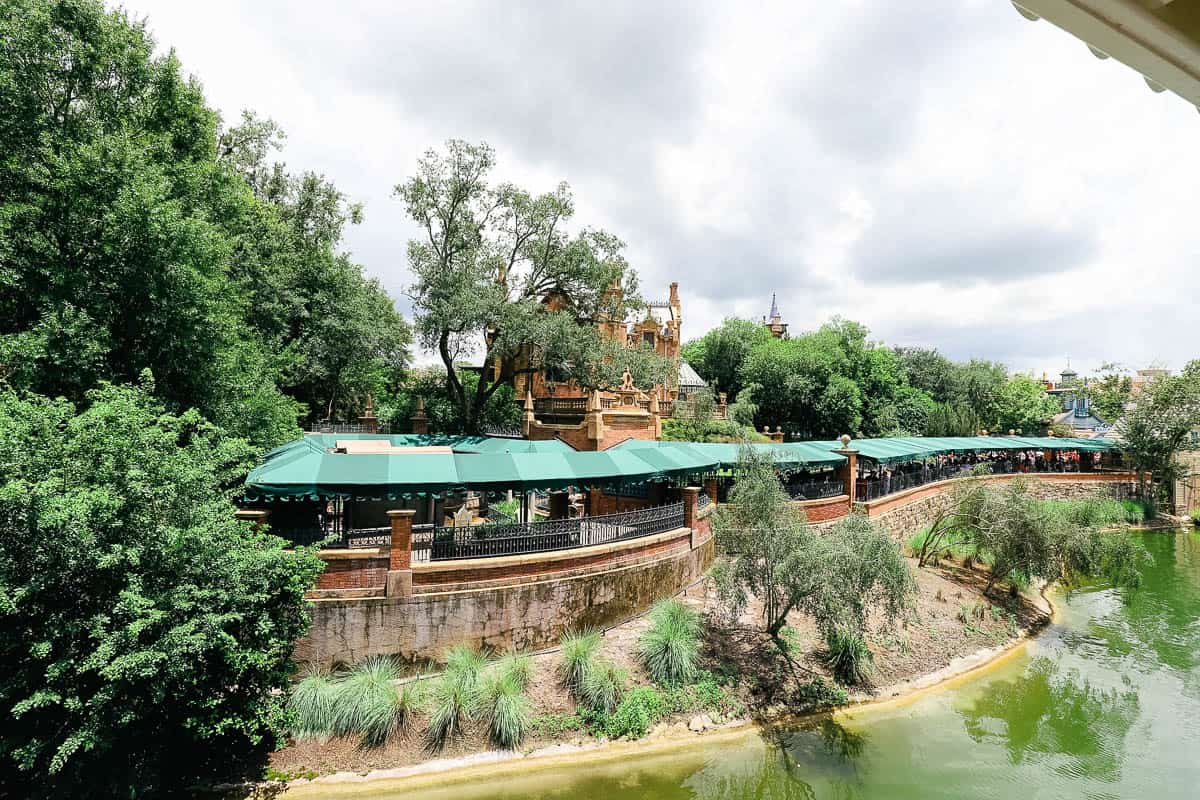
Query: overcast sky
(947, 173)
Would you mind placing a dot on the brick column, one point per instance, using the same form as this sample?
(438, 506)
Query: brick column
(559, 505)
(691, 495)
(710, 489)
(399, 577)
(848, 472)
(594, 496)
(256, 515)
(420, 422)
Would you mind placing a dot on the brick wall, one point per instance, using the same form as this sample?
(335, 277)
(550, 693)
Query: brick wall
(829, 508)
(430, 577)
(350, 570)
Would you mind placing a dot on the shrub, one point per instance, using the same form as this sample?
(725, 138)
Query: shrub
(367, 702)
(503, 700)
(455, 696)
(638, 710)
(848, 655)
(706, 694)
(555, 724)
(819, 693)
(670, 647)
(578, 654)
(1135, 512)
(312, 705)
(603, 685)
(1196, 517)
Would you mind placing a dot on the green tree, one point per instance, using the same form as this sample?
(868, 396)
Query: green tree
(836, 577)
(930, 371)
(1021, 404)
(1109, 391)
(498, 275)
(145, 634)
(138, 234)
(717, 356)
(396, 405)
(1019, 535)
(1162, 421)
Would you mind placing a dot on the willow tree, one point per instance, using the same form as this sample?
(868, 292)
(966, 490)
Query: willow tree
(1160, 424)
(502, 281)
(837, 577)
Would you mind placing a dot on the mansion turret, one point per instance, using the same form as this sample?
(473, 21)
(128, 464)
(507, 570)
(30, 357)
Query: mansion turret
(599, 419)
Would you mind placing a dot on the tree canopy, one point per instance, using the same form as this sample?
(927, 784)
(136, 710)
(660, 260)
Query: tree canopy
(137, 233)
(144, 632)
(1162, 420)
(836, 380)
(501, 283)
(836, 577)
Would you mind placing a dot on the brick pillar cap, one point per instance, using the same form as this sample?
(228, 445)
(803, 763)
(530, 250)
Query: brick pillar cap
(252, 513)
(695, 489)
(403, 512)
(847, 451)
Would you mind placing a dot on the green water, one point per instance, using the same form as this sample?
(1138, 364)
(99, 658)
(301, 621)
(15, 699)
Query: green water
(1105, 704)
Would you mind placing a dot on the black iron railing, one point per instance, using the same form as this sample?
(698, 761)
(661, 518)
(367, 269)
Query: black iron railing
(486, 541)
(816, 490)
(331, 538)
(703, 501)
(347, 427)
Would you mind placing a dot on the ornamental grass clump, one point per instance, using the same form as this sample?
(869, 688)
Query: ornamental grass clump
(455, 696)
(847, 654)
(670, 647)
(312, 706)
(503, 702)
(579, 652)
(367, 702)
(603, 686)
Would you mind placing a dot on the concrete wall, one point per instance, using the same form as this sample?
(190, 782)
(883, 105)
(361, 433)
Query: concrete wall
(523, 613)
(908, 512)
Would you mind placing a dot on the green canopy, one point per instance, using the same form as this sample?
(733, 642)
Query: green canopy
(310, 469)
(788, 457)
(913, 448)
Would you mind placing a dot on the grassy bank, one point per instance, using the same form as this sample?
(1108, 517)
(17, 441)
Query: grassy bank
(684, 666)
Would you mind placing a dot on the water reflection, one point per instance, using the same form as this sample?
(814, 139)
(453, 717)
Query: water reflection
(1054, 715)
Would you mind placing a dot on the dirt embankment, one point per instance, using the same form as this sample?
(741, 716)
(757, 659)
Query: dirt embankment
(952, 625)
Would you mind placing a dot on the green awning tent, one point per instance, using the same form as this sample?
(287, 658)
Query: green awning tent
(308, 469)
(788, 456)
(913, 448)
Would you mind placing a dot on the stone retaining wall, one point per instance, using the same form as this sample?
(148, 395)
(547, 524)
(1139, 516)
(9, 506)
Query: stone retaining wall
(906, 513)
(526, 615)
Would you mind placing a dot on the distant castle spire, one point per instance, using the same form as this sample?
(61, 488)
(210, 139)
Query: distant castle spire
(774, 322)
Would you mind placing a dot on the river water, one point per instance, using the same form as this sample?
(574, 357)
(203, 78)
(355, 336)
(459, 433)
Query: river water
(1104, 704)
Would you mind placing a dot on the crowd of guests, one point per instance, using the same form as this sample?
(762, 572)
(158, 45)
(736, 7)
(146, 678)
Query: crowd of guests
(876, 480)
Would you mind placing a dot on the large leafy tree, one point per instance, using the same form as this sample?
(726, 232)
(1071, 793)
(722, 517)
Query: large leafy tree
(1160, 424)
(500, 281)
(1021, 404)
(136, 233)
(144, 632)
(717, 356)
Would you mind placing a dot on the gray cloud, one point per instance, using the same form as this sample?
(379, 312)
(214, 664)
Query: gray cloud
(940, 243)
(783, 113)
